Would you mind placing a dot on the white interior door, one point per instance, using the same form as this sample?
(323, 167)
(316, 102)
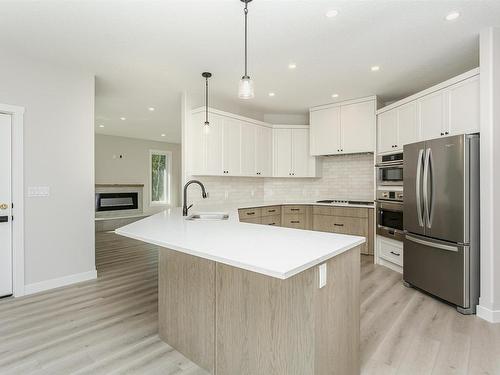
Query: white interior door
(5, 206)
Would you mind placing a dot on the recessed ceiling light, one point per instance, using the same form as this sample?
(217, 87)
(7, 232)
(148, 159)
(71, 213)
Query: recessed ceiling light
(123, 118)
(101, 126)
(271, 94)
(151, 109)
(332, 13)
(452, 16)
(375, 68)
(335, 95)
(163, 135)
(292, 66)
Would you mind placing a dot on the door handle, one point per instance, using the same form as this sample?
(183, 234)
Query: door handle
(418, 188)
(426, 187)
(4, 219)
(4, 206)
(432, 244)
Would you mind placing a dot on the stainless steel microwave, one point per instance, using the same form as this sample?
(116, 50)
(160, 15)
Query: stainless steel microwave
(390, 169)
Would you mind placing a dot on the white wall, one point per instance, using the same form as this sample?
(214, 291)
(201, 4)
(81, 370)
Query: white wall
(133, 168)
(489, 308)
(59, 153)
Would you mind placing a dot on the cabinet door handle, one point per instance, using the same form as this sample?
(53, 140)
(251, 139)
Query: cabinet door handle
(393, 253)
(338, 225)
(295, 221)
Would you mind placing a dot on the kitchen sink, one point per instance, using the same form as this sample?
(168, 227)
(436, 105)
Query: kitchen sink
(209, 216)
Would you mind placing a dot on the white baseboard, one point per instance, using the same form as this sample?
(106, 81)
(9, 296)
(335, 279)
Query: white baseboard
(492, 316)
(59, 282)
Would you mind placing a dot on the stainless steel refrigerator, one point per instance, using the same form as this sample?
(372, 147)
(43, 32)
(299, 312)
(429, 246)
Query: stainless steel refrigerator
(441, 219)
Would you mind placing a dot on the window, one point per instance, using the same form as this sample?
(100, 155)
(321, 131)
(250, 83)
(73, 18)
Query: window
(160, 165)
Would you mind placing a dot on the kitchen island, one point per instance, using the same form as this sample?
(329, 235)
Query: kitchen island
(239, 298)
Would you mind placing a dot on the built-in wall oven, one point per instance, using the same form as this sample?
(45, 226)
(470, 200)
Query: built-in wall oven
(390, 214)
(390, 169)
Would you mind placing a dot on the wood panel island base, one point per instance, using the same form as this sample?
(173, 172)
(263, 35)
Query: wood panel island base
(230, 321)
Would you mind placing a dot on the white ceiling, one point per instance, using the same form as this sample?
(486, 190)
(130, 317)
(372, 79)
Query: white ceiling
(145, 53)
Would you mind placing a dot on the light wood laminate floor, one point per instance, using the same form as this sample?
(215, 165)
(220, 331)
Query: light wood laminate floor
(109, 326)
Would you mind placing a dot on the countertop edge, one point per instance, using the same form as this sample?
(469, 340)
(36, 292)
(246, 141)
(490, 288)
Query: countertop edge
(262, 271)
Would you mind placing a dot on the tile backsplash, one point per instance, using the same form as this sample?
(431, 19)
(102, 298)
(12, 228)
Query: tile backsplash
(344, 177)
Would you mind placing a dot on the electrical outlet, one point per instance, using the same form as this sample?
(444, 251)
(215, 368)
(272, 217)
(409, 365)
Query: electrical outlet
(322, 275)
(38, 191)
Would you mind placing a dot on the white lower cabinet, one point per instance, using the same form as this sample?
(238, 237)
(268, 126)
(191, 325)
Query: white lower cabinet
(291, 157)
(390, 253)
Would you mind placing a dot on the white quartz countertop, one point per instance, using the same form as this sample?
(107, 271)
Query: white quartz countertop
(273, 251)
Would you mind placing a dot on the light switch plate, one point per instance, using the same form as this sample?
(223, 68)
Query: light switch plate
(322, 275)
(38, 191)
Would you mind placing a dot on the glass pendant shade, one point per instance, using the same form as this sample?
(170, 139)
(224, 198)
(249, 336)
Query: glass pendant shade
(206, 128)
(245, 88)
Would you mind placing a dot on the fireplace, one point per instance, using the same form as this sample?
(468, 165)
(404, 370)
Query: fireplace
(116, 201)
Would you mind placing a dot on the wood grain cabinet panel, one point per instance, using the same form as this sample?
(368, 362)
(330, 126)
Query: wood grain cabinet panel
(298, 209)
(249, 213)
(271, 220)
(297, 221)
(271, 210)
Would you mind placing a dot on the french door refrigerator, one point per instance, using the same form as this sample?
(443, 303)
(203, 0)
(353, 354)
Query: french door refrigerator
(441, 219)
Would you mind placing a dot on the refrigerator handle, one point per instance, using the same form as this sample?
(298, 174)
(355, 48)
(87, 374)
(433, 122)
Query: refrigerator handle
(430, 172)
(426, 187)
(431, 244)
(418, 188)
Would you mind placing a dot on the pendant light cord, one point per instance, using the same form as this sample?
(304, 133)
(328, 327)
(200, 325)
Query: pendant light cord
(206, 101)
(246, 13)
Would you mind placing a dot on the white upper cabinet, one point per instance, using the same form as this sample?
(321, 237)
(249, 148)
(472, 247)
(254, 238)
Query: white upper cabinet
(343, 128)
(264, 151)
(408, 129)
(248, 147)
(431, 113)
(463, 107)
(206, 145)
(325, 134)
(235, 146)
(397, 127)
(282, 152)
(300, 153)
(449, 108)
(231, 138)
(358, 127)
(387, 134)
(291, 154)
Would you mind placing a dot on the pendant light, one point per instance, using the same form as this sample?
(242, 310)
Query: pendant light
(245, 88)
(206, 126)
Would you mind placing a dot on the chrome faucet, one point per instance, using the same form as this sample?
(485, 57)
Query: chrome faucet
(204, 194)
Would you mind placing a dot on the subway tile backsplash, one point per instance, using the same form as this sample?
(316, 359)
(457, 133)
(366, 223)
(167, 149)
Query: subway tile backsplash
(344, 177)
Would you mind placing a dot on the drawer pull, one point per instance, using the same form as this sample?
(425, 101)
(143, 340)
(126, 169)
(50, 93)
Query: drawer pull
(295, 221)
(271, 210)
(393, 253)
(294, 209)
(250, 213)
(338, 225)
(271, 224)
